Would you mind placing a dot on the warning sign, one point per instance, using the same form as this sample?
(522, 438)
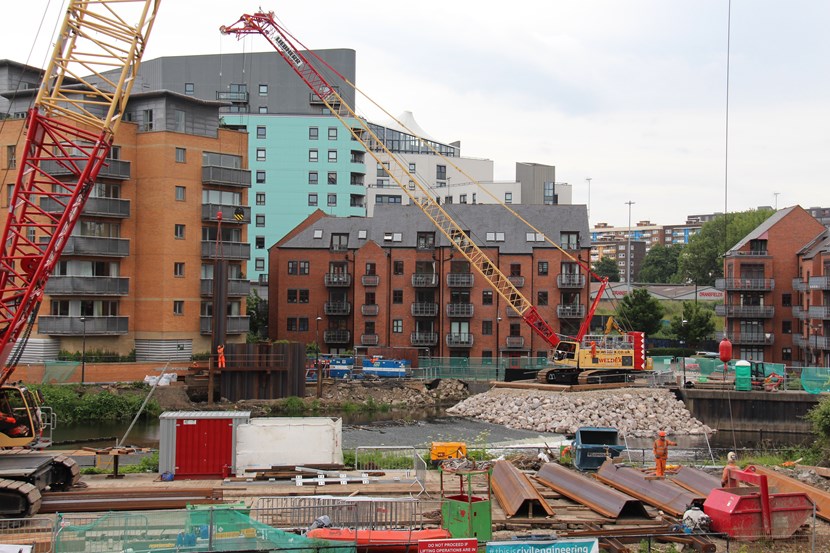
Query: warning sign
(464, 545)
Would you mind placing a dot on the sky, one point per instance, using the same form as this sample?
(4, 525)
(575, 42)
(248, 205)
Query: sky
(629, 93)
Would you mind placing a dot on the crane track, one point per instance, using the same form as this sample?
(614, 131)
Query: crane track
(126, 499)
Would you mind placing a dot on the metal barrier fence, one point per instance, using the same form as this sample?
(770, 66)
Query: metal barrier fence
(35, 531)
(400, 464)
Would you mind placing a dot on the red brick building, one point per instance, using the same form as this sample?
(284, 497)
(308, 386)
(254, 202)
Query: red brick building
(764, 293)
(812, 309)
(394, 280)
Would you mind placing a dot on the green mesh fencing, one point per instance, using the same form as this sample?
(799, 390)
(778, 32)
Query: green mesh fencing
(58, 372)
(203, 530)
(661, 362)
(815, 380)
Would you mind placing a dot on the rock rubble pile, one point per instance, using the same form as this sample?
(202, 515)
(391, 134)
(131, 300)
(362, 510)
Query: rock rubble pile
(635, 412)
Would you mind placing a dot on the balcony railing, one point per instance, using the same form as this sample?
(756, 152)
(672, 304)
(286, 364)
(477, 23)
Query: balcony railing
(753, 338)
(236, 97)
(459, 340)
(210, 213)
(819, 312)
(336, 336)
(798, 312)
(570, 281)
(370, 309)
(236, 287)
(114, 168)
(97, 246)
(460, 309)
(570, 311)
(337, 308)
(460, 280)
(750, 253)
(423, 338)
(230, 250)
(819, 283)
(799, 285)
(337, 280)
(814, 341)
(763, 284)
(424, 280)
(510, 312)
(745, 311)
(516, 280)
(515, 341)
(226, 176)
(424, 309)
(60, 325)
(99, 207)
(370, 280)
(88, 286)
(235, 324)
(369, 339)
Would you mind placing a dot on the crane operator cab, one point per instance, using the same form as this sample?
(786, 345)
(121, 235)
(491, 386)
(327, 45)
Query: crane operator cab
(20, 418)
(565, 352)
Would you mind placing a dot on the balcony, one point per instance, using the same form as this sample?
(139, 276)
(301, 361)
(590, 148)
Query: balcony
(819, 312)
(236, 325)
(369, 339)
(745, 311)
(570, 311)
(424, 309)
(460, 309)
(799, 285)
(370, 280)
(799, 312)
(87, 286)
(753, 338)
(337, 280)
(234, 97)
(756, 284)
(423, 338)
(570, 281)
(516, 280)
(98, 207)
(459, 340)
(370, 309)
(114, 169)
(460, 280)
(336, 336)
(337, 308)
(512, 313)
(59, 325)
(237, 287)
(814, 341)
(424, 280)
(819, 283)
(230, 250)
(97, 246)
(515, 342)
(210, 213)
(226, 176)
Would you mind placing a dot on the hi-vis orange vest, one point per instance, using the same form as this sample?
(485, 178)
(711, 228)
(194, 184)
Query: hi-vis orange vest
(661, 448)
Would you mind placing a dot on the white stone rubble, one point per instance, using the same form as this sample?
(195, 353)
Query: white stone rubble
(635, 412)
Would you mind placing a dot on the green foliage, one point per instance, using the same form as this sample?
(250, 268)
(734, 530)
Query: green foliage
(819, 418)
(148, 463)
(607, 267)
(96, 356)
(257, 310)
(660, 264)
(83, 404)
(694, 325)
(204, 356)
(638, 310)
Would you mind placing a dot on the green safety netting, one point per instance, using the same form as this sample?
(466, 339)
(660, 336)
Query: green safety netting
(57, 372)
(660, 362)
(815, 380)
(202, 530)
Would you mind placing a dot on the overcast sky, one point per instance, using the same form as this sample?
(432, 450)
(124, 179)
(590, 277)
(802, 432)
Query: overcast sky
(631, 93)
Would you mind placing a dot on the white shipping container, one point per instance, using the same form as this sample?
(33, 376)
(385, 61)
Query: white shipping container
(288, 441)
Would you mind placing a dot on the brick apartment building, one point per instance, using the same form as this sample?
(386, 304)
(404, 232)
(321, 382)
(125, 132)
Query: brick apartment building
(811, 340)
(768, 289)
(394, 280)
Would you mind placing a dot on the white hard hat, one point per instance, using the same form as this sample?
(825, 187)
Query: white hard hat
(731, 456)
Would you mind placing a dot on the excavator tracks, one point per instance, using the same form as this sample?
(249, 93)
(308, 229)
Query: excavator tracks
(65, 473)
(19, 499)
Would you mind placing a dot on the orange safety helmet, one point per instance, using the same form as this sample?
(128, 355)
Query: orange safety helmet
(662, 433)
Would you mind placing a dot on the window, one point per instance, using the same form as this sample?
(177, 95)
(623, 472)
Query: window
(332, 177)
(181, 154)
(486, 297)
(787, 327)
(508, 197)
(543, 268)
(263, 90)
(462, 198)
(259, 242)
(263, 109)
(178, 269)
(260, 198)
(179, 232)
(541, 297)
(260, 177)
(548, 196)
(304, 266)
(260, 220)
(397, 326)
(332, 133)
(426, 240)
(293, 267)
(332, 156)
(146, 120)
(180, 119)
(180, 192)
(313, 156)
(487, 328)
(569, 240)
(369, 298)
(303, 296)
(397, 296)
(313, 177)
(189, 89)
(291, 324)
(786, 300)
(178, 307)
(260, 154)
(371, 268)
(515, 269)
(786, 354)
(412, 168)
(332, 200)
(383, 169)
(259, 264)
(313, 133)
(292, 295)
(397, 267)
(441, 172)
(261, 132)
(11, 156)
(312, 199)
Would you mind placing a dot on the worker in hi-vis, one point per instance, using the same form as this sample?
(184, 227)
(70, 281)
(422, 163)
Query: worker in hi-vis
(661, 452)
(726, 480)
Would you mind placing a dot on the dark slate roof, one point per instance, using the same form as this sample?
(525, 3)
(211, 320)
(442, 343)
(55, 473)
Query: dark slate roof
(820, 244)
(759, 231)
(478, 219)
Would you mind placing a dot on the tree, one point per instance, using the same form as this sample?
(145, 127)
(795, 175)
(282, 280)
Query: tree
(257, 310)
(638, 310)
(700, 261)
(607, 267)
(695, 325)
(660, 264)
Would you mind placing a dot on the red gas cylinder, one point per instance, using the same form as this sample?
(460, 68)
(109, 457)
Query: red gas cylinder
(725, 350)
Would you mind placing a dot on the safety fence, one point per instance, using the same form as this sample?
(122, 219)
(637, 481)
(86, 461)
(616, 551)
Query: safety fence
(398, 464)
(36, 532)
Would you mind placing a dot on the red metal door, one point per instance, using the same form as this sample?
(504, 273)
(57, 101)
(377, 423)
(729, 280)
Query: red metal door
(204, 447)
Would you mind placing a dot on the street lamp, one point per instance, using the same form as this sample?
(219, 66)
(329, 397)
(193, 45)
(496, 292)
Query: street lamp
(588, 180)
(317, 357)
(83, 350)
(628, 253)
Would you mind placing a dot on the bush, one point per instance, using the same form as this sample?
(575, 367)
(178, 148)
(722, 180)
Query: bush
(75, 403)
